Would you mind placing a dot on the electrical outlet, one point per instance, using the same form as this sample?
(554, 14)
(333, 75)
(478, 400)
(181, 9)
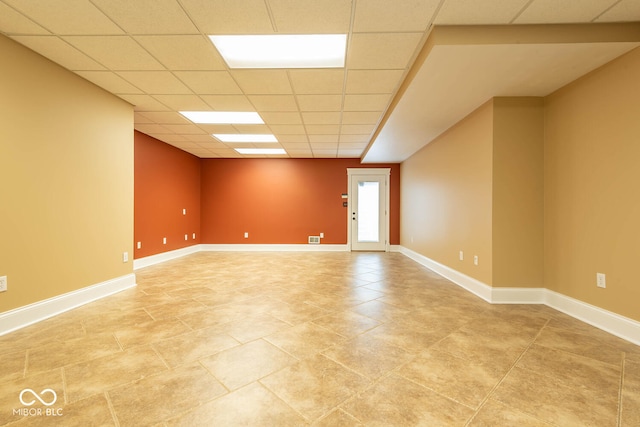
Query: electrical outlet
(601, 280)
(164, 240)
(194, 236)
(322, 235)
(186, 237)
(139, 245)
(475, 259)
(461, 256)
(3, 284)
(184, 211)
(125, 256)
(246, 235)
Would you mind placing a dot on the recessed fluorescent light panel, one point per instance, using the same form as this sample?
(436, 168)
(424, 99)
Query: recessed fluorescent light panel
(282, 51)
(245, 137)
(260, 151)
(223, 117)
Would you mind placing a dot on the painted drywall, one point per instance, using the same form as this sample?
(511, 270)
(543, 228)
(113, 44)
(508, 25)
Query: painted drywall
(518, 192)
(66, 180)
(446, 197)
(281, 201)
(167, 197)
(591, 183)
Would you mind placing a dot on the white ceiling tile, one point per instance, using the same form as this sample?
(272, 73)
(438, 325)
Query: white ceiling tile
(300, 154)
(165, 117)
(325, 154)
(229, 16)
(349, 154)
(556, 11)
(352, 145)
(320, 102)
(274, 102)
(14, 22)
(212, 144)
(67, 17)
(176, 140)
(302, 146)
(354, 139)
(218, 128)
(184, 52)
(281, 118)
(151, 129)
(183, 102)
(293, 139)
(287, 129)
(209, 82)
(473, 12)
(262, 82)
(155, 82)
(186, 129)
(393, 15)
(317, 81)
(324, 146)
(110, 81)
(311, 16)
(357, 129)
(228, 102)
(252, 128)
(376, 102)
(206, 138)
(115, 52)
(382, 50)
(321, 117)
(323, 129)
(624, 11)
(144, 102)
(148, 16)
(59, 51)
(361, 117)
(373, 81)
(317, 140)
(139, 118)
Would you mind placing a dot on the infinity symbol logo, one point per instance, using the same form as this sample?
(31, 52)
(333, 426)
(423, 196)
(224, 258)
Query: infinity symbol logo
(38, 397)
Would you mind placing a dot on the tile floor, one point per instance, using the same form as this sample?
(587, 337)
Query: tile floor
(322, 339)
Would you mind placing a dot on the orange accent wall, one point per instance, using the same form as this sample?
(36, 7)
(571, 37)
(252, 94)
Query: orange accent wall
(281, 201)
(166, 181)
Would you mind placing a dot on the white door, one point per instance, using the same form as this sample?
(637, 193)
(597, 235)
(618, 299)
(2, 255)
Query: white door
(368, 210)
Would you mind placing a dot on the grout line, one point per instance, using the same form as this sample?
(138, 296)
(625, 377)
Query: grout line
(513, 365)
(620, 391)
(111, 408)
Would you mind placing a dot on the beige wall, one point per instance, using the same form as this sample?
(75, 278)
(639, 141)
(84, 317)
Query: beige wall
(518, 225)
(592, 187)
(66, 180)
(445, 197)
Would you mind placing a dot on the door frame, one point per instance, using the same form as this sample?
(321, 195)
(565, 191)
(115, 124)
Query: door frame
(351, 172)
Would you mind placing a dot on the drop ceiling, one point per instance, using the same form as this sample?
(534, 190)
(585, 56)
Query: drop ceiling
(413, 67)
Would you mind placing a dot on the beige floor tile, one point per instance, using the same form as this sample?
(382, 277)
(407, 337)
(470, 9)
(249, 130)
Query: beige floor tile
(316, 338)
(253, 327)
(630, 408)
(150, 332)
(494, 414)
(369, 356)
(346, 323)
(574, 371)
(246, 363)
(552, 401)
(59, 354)
(189, 347)
(10, 394)
(304, 340)
(252, 405)
(464, 381)
(395, 401)
(180, 390)
(99, 375)
(584, 345)
(314, 386)
(338, 418)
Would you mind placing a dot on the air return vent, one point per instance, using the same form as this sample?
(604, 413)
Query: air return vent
(314, 240)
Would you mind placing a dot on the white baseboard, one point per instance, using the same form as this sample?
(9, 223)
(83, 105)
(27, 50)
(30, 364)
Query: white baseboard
(41, 310)
(273, 248)
(165, 256)
(615, 324)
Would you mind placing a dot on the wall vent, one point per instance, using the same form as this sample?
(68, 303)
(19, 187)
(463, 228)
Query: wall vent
(314, 240)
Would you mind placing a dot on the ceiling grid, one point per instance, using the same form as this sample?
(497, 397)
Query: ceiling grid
(383, 105)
